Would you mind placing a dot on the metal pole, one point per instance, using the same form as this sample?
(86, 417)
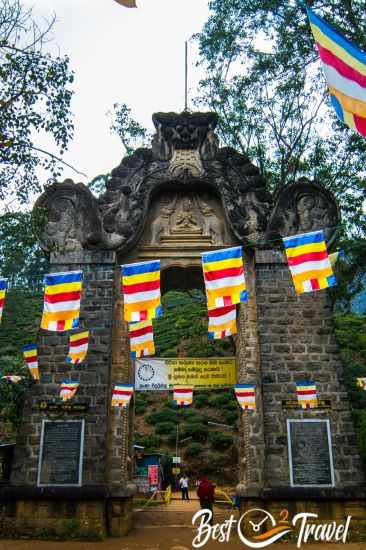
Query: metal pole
(176, 441)
(186, 77)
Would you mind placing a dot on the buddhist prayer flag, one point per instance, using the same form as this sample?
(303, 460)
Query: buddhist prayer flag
(78, 347)
(245, 394)
(127, 3)
(361, 383)
(141, 339)
(3, 287)
(183, 396)
(122, 394)
(223, 271)
(344, 65)
(68, 389)
(30, 354)
(309, 262)
(61, 307)
(221, 322)
(307, 394)
(141, 291)
(14, 379)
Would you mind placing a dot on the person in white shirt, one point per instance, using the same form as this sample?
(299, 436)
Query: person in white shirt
(183, 484)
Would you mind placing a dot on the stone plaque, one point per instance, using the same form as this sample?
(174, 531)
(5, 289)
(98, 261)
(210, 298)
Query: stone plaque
(310, 453)
(61, 453)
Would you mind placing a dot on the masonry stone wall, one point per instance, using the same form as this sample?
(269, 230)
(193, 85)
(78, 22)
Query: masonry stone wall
(93, 374)
(297, 342)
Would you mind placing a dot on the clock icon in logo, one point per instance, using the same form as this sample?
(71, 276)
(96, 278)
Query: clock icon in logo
(146, 372)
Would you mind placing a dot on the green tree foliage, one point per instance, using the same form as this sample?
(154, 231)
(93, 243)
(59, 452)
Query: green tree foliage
(263, 78)
(132, 134)
(21, 259)
(34, 99)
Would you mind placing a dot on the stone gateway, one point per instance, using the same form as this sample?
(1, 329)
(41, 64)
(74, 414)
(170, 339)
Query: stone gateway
(183, 196)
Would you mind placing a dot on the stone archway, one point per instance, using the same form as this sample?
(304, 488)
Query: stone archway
(183, 196)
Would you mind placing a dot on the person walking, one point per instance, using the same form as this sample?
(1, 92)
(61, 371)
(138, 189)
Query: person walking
(206, 494)
(183, 484)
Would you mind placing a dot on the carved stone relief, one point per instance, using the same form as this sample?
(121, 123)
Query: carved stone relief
(184, 159)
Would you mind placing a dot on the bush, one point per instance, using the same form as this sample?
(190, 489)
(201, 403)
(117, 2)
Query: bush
(165, 428)
(221, 399)
(193, 449)
(220, 441)
(231, 417)
(196, 430)
(201, 400)
(164, 415)
(149, 442)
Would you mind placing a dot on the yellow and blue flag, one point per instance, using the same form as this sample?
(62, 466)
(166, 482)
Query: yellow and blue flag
(61, 309)
(140, 284)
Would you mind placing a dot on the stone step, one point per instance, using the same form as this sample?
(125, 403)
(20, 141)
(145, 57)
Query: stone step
(172, 518)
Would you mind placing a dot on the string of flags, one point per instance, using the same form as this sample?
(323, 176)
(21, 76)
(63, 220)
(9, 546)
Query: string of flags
(224, 276)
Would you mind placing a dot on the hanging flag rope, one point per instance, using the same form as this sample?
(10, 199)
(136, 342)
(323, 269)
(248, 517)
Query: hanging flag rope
(307, 394)
(30, 354)
(68, 389)
(183, 395)
(223, 272)
(344, 65)
(245, 394)
(308, 261)
(61, 307)
(78, 347)
(141, 339)
(221, 322)
(3, 287)
(122, 394)
(140, 285)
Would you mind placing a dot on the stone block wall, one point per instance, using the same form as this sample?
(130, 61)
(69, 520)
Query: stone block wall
(297, 342)
(97, 304)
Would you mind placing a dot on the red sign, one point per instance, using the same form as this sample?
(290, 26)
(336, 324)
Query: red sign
(153, 474)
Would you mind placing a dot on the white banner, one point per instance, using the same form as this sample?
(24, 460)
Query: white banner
(151, 374)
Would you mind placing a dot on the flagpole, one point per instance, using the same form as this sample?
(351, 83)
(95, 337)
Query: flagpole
(186, 77)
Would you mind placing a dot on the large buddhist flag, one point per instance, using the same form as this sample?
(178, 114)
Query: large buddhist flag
(127, 3)
(309, 262)
(30, 354)
(141, 291)
(183, 396)
(3, 287)
(221, 322)
(141, 339)
(223, 271)
(306, 394)
(122, 394)
(245, 394)
(344, 65)
(78, 347)
(68, 389)
(61, 307)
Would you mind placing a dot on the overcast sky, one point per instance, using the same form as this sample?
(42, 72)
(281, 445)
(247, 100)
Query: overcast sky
(134, 56)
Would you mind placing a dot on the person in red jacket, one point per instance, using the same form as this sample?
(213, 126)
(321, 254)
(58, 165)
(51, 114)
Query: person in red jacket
(206, 494)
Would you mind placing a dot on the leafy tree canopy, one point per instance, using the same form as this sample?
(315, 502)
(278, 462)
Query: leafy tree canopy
(132, 134)
(35, 98)
(264, 79)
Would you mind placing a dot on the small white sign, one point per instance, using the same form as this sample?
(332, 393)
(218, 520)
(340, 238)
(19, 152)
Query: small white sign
(176, 459)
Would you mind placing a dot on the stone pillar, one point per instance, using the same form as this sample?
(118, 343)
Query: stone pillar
(94, 376)
(120, 426)
(297, 342)
(251, 448)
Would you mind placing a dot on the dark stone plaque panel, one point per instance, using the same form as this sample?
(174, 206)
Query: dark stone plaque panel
(310, 453)
(61, 453)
